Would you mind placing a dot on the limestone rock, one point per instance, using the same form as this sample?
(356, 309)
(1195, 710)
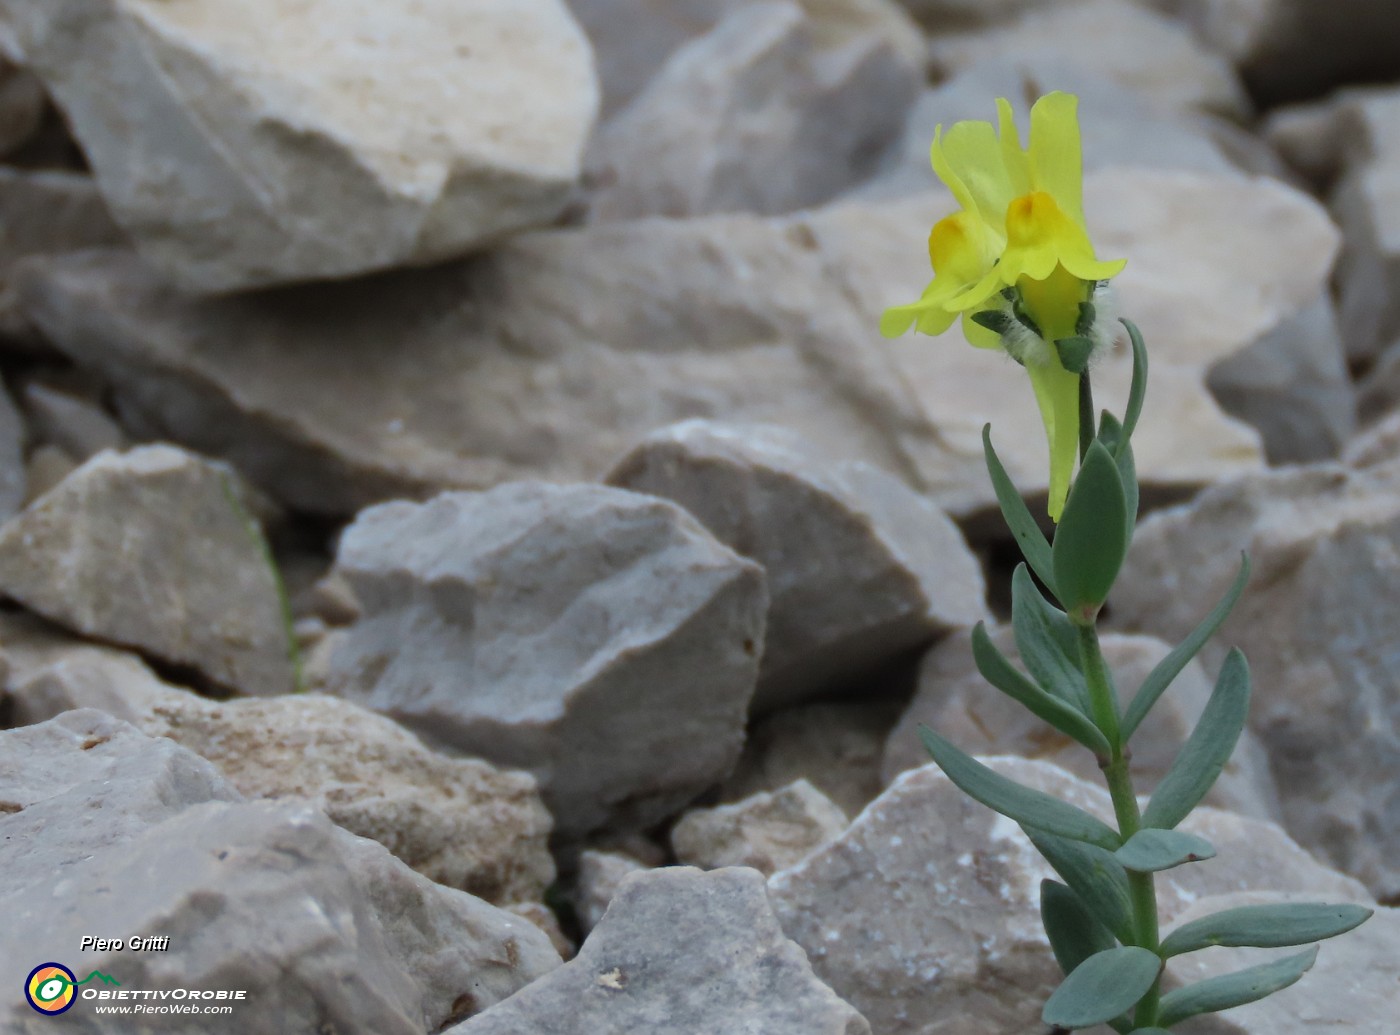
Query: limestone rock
(1317, 625)
(263, 143)
(50, 211)
(1365, 203)
(1293, 385)
(1378, 444)
(338, 396)
(109, 553)
(544, 918)
(22, 106)
(954, 699)
(860, 567)
(601, 639)
(1125, 42)
(83, 782)
(1378, 394)
(12, 470)
(48, 671)
(768, 832)
(836, 746)
(1350, 988)
(634, 38)
(75, 423)
(679, 952)
(599, 876)
(924, 914)
(1294, 49)
(765, 113)
(941, 15)
(321, 928)
(46, 212)
(46, 467)
(542, 360)
(459, 822)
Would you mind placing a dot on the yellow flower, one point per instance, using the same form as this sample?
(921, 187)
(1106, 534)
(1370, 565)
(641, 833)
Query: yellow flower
(1016, 263)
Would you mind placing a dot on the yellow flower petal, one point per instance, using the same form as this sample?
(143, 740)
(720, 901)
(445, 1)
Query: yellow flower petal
(960, 252)
(1018, 168)
(1056, 162)
(969, 156)
(1057, 393)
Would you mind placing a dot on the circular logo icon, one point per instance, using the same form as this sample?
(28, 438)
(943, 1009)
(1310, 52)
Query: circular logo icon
(49, 988)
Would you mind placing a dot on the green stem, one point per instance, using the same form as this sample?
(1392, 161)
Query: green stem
(1086, 415)
(1116, 769)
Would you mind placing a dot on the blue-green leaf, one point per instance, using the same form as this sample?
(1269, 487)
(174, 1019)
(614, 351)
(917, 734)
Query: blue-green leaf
(1170, 667)
(1095, 877)
(1137, 392)
(1150, 850)
(1073, 932)
(1008, 797)
(1047, 641)
(1267, 926)
(1203, 756)
(1003, 675)
(1111, 432)
(1231, 990)
(1034, 546)
(1149, 1031)
(1105, 985)
(1092, 538)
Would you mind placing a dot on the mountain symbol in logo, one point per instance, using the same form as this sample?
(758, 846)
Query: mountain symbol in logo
(106, 979)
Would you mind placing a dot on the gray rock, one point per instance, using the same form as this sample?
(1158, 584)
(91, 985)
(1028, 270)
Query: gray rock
(765, 113)
(768, 832)
(1377, 445)
(75, 423)
(679, 952)
(259, 145)
(924, 914)
(954, 699)
(459, 822)
(1378, 393)
(551, 343)
(746, 307)
(1293, 385)
(1364, 204)
(109, 553)
(46, 467)
(836, 746)
(599, 876)
(1351, 987)
(1294, 49)
(48, 671)
(45, 212)
(1127, 43)
(601, 639)
(634, 38)
(48, 212)
(1317, 625)
(79, 784)
(861, 568)
(22, 106)
(319, 927)
(12, 470)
